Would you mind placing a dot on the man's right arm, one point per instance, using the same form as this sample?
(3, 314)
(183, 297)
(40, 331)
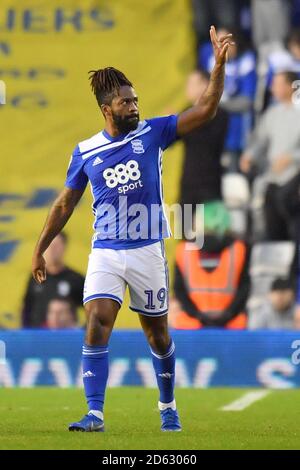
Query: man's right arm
(206, 107)
(58, 216)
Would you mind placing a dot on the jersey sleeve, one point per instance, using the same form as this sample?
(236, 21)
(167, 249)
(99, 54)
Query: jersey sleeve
(166, 129)
(76, 178)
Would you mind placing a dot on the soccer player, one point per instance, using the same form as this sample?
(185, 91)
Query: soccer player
(123, 165)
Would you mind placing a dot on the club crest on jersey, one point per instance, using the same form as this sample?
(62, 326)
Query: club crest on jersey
(137, 146)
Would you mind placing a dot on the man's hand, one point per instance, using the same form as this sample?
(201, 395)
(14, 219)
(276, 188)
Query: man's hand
(245, 163)
(220, 46)
(281, 164)
(39, 268)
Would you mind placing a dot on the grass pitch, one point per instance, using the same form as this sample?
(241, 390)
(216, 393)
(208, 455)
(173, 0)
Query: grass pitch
(38, 419)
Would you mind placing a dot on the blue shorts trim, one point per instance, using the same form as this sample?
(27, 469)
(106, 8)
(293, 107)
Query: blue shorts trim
(123, 245)
(102, 296)
(157, 314)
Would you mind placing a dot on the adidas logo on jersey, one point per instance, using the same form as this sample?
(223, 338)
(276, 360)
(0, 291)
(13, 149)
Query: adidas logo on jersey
(89, 374)
(137, 146)
(97, 161)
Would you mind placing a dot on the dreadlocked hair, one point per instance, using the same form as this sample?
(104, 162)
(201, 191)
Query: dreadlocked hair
(106, 83)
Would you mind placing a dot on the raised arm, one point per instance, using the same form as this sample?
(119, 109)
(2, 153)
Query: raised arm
(58, 216)
(207, 105)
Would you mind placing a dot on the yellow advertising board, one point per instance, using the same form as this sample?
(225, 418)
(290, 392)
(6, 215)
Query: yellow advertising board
(46, 50)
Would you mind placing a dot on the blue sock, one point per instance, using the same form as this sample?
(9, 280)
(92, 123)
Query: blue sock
(164, 366)
(95, 374)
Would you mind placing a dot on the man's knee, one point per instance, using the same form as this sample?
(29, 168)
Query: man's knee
(100, 320)
(159, 341)
(93, 317)
(101, 312)
(93, 314)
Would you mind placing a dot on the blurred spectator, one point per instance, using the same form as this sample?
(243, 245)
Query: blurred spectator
(217, 12)
(294, 48)
(212, 283)
(282, 60)
(61, 281)
(61, 314)
(201, 174)
(270, 20)
(275, 146)
(297, 307)
(297, 317)
(278, 310)
(296, 13)
(239, 93)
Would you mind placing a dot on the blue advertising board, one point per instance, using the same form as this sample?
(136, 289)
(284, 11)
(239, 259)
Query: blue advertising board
(207, 358)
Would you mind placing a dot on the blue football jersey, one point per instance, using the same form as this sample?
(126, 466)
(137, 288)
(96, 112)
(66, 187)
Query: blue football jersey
(125, 174)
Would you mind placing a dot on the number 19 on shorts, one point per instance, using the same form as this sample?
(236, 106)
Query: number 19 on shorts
(155, 302)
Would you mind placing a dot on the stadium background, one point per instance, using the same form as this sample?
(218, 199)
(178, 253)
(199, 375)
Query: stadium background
(47, 48)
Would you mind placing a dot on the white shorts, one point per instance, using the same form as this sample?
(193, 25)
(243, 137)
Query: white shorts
(144, 270)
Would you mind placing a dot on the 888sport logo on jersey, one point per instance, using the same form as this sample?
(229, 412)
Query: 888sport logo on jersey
(127, 175)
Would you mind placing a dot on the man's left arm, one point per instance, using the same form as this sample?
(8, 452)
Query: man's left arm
(207, 106)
